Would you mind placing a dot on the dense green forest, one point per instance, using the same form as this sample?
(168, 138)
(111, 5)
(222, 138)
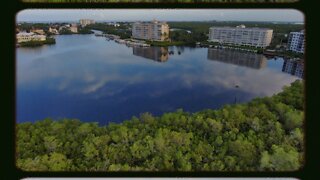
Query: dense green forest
(265, 134)
(164, 1)
(124, 30)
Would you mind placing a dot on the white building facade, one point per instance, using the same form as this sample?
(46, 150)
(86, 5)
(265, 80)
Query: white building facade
(53, 30)
(84, 22)
(296, 42)
(240, 35)
(25, 37)
(155, 31)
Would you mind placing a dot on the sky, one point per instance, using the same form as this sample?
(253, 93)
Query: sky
(52, 15)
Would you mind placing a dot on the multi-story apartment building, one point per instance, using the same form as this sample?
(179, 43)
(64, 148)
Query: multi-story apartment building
(240, 35)
(155, 31)
(296, 42)
(84, 22)
(230, 56)
(25, 37)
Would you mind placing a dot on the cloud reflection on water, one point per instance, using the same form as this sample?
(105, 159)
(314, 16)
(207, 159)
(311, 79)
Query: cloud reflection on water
(106, 75)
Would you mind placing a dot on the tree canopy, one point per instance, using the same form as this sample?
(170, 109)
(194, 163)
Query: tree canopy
(265, 134)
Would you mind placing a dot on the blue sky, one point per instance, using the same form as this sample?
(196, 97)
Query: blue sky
(283, 15)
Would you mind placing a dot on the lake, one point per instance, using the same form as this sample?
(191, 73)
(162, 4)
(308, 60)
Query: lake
(92, 79)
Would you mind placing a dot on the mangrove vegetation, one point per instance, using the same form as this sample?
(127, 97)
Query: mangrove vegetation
(265, 134)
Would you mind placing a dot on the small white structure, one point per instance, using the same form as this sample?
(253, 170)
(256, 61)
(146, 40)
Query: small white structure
(53, 30)
(25, 37)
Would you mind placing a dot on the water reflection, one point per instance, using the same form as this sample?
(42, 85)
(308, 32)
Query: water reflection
(104, 81)
(247, 59)
(293, 67)
(159, 54)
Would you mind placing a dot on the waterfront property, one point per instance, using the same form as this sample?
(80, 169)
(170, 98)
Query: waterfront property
(154, 31)
(296, 42)
(85, 22)
(240, 35)
(26, 37)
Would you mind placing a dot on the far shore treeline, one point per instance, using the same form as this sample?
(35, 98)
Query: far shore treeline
(265, 134)
(185, 33)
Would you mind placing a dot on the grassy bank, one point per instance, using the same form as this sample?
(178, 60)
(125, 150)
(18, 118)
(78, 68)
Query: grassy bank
(242, 47)
(288, 54)
(48, 41)
(167, 43)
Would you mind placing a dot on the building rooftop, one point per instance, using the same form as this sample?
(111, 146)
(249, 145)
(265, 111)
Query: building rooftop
(240, 27)
(154, 21)
(25, 34)
(298, 32)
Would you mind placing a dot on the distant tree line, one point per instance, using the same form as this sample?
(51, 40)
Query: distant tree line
(188, 38)
(265, 134)
(124, 30)
(199, 29)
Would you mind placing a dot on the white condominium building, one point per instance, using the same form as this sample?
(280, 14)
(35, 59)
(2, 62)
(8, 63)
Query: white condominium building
(25, 37)
(296, 42)
(84, 22)
(155, 31)
(240, 35)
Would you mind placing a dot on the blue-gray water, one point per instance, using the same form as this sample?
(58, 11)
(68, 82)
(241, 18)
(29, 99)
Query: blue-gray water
(92, 79)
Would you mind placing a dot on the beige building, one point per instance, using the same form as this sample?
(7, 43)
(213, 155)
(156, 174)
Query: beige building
(74, 28)
(84, 22)
(38, 31)
(240, 35)
(25, 37)
(154, 30)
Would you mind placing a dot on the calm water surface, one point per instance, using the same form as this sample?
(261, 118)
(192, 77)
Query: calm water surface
(92, 79)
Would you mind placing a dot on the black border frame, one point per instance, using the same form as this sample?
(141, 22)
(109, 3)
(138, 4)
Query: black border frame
(8, 168)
